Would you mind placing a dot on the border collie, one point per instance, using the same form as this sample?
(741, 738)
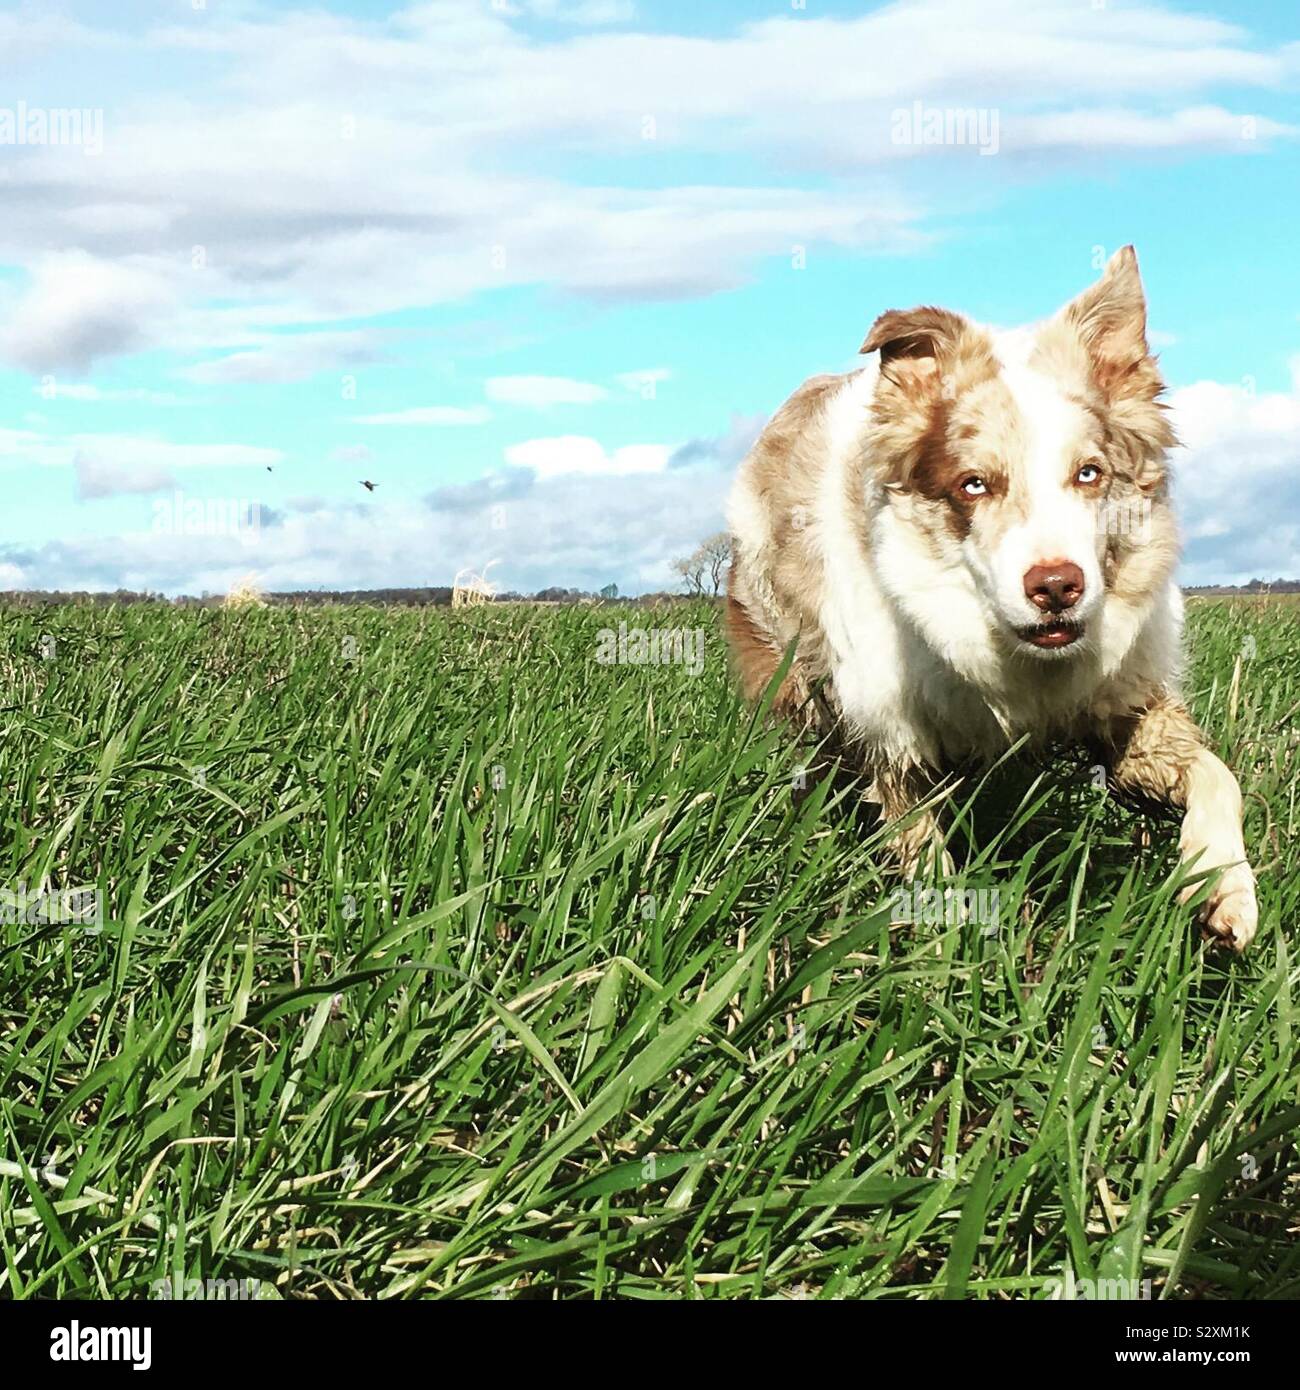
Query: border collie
(970, 540)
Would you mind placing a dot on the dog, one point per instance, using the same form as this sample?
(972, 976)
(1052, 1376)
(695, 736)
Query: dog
(970, 541)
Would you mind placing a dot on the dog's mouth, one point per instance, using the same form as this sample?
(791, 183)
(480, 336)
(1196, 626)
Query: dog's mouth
(1051, 635)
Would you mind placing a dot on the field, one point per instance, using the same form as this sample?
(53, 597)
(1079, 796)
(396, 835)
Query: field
(438, 959)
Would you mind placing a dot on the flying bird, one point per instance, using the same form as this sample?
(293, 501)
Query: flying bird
(368, 485)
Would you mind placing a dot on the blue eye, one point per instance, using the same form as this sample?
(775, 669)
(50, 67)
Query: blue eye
(1089, 473)
(974, 487)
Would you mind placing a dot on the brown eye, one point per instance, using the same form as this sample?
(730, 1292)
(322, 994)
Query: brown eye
(1088, 475)
(974, 487)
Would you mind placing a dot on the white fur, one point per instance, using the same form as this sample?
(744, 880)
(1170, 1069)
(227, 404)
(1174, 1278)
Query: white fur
(923, 666)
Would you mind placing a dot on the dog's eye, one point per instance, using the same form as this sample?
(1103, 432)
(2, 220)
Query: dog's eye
(974, 487)
(1088, 474)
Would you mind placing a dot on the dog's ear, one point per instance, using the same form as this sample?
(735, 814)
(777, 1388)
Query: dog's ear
(928, 357)
(1111, 319)
(918, 340)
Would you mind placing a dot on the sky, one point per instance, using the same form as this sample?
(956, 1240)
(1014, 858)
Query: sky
(540, 269)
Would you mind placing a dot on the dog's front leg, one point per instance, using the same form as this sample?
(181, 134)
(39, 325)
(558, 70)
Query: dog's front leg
(1160, 754)
(899, 793)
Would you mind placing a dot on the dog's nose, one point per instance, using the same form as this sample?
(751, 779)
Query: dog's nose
(1055, 586)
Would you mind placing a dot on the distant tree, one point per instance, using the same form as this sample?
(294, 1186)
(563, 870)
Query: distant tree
(609, 591)
(557, 594)
(716, 552)
(703, 569)
(690, 570)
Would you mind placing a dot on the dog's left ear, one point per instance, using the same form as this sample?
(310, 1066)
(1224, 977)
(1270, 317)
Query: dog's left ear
(1111, 319)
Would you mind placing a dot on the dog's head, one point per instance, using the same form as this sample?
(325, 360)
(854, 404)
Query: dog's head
(1025, 469)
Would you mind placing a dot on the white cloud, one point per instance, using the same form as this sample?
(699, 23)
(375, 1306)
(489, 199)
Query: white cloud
(427, 415)
(285, 358)
(113, 478)
(106, 452)
(32, 448)
(1200, 127)
(1211, 414)
(542, 391)
(581, 12)
(1240, 514)
(52, 390)
(312, 207)
(80, 308)
(575, 453)
(723, 450)
(164, 453)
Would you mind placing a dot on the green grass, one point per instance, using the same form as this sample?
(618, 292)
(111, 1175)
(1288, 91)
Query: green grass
(458, 965)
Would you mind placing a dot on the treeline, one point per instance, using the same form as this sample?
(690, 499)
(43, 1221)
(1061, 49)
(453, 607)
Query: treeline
(45, 598)
(1256, 586)
(437, 596)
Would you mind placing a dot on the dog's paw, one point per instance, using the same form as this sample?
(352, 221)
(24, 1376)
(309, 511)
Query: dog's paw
(1230, 915)
(919, 850)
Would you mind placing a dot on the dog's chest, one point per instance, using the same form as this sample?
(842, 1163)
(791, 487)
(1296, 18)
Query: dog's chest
(968, 722)
(926, 710)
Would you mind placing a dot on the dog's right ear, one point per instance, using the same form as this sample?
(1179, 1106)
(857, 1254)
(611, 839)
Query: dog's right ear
(914, 342)
(924, 332)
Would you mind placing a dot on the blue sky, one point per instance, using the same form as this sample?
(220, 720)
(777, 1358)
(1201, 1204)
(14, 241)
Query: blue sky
(540, 269)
